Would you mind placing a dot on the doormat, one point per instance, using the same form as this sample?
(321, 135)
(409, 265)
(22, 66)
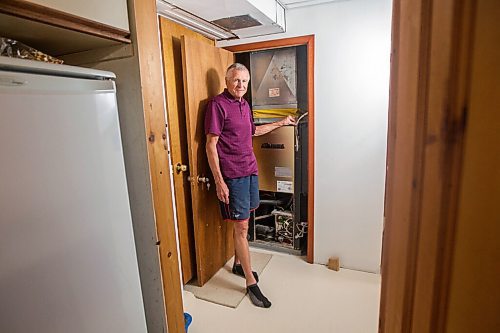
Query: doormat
(226, 288)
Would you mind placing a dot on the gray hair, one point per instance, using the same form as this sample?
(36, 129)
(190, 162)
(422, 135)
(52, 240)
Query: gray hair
(235, 67)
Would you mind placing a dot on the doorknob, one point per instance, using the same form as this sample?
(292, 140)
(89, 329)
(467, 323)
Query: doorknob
(200, 180)
(203, 179)
(180, 167)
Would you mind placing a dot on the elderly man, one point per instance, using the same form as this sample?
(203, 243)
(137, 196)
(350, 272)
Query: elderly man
(229, 128)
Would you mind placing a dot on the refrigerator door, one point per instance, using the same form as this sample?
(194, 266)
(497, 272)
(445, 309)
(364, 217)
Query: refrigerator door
(67, 254)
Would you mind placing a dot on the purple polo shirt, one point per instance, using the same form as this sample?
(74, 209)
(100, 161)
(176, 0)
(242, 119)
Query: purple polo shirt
(231, 120)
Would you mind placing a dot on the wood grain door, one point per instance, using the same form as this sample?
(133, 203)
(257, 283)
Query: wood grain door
(204, 68)
(171, 33)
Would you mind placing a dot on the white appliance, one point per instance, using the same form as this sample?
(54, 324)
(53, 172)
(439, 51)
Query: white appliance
(67, 253)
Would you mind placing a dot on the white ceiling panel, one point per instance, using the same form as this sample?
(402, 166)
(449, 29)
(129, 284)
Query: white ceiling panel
(225, 19)
(289, 4)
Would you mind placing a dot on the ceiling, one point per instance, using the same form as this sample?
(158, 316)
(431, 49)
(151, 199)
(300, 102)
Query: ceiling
(289, 4)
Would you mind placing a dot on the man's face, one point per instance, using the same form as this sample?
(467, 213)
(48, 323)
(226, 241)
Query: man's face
(237, 83)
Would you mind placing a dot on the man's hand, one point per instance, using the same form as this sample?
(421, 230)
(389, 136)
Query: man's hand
(266, 128)
(222, 192)
(289, 120)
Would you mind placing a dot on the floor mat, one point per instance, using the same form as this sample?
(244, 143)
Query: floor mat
(226, 288)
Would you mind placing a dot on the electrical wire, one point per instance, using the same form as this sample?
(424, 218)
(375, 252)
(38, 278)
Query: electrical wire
(296, 130)
(302, 229)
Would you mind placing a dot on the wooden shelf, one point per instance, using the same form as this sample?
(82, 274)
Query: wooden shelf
(53, 31)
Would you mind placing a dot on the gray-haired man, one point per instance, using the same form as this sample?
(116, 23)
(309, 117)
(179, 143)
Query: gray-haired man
(229, 128)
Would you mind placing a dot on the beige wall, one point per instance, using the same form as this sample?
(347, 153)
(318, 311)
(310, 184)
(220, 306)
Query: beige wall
(475, 292)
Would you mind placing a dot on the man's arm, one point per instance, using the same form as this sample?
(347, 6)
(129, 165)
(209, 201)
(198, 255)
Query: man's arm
(213, 161)
(263, 129)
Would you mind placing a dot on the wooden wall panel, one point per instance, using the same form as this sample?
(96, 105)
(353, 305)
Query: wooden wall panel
(400, 187)
(144, 14)
(429, 74)
(474, 295)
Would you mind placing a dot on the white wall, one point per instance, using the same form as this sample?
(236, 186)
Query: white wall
(352, 45)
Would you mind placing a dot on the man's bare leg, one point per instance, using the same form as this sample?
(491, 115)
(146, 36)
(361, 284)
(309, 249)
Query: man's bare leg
(236, 259)
(242, 250)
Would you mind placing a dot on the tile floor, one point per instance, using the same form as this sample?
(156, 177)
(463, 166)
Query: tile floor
(306, 299)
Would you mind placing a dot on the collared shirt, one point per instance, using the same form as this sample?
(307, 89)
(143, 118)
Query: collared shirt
(231, 120)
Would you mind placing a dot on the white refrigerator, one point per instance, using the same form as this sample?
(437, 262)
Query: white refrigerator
(67, 256)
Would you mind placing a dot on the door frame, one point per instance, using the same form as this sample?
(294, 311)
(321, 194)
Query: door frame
(308, 41)
(429, 85)
(144, 21)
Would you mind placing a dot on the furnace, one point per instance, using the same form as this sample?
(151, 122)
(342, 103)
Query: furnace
(278, 81)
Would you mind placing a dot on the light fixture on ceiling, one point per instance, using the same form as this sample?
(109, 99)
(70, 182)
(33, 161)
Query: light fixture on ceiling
(191, 21)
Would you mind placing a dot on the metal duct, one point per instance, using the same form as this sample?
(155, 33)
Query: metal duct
(274, 79)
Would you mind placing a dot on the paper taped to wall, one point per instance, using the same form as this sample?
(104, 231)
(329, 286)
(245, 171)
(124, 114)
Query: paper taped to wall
(282, 172)
(284, 186)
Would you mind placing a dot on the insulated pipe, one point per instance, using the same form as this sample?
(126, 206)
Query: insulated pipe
(271, 202)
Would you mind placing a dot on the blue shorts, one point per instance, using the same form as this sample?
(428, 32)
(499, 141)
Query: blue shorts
(243, 198)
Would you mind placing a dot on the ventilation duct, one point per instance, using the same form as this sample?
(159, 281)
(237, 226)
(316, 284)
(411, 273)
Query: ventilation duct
(226, 19)
(274, 79)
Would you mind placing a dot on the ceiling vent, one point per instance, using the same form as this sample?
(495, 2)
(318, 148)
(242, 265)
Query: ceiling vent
(237, 22)
(221, 20)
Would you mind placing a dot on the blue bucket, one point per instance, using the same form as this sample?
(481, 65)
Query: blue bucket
(187, 320)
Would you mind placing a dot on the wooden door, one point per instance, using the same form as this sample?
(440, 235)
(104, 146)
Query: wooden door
(204, 68)
(171, 33)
